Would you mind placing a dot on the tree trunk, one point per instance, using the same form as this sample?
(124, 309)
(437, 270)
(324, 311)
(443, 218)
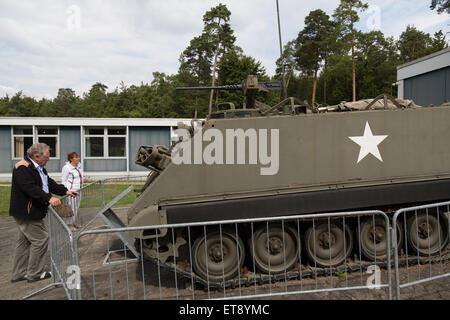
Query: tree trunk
(353, 69)
(289, 77)
(325, 83)
(214, 74)
(315, 79)
(353, 59)
(314, 88)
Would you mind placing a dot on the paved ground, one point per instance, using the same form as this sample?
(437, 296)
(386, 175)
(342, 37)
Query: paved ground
(139, 280)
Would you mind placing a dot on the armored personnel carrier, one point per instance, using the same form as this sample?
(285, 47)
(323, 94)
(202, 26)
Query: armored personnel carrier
(264, 161)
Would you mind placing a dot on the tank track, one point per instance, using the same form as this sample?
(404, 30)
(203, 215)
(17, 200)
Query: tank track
(249, 278)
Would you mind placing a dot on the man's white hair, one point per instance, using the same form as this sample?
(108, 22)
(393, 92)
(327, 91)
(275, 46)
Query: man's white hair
(37, 148)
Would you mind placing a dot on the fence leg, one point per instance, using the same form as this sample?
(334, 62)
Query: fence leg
(390, 244)
(77, 290)
(47, 287)
(394, 245)
(102, 187)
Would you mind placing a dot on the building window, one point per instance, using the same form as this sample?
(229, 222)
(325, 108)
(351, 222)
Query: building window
(105, 142)
(22, 140)
(25, 136)
(49, 136)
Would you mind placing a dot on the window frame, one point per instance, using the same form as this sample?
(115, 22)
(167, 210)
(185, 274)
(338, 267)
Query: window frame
(34, 134)
(14, 135)
(105, 137)
(57, 136)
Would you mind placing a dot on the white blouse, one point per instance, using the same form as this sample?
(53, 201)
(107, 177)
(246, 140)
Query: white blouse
(72, 178)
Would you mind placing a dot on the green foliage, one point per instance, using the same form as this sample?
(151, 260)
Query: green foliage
(438, 43)
(346, 15)
(311, 41)
(287, 61)
(233, 69)
(413, 44)
(340, 275)
(65, 103)
(217, 27)
(441, 5)
(217, 37)
(196, 59)
(339, 79)
(312, 44)
(300, 86)
(376, 60)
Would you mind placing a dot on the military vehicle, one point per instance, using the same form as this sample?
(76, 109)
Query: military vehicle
(292, 158)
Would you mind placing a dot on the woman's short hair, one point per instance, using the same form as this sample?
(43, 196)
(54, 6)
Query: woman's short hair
(72, 155)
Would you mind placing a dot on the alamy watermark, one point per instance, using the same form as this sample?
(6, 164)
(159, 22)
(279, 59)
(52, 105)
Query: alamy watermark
(221, 149)
(374, 18)
(73, 21)
(74, 279)
(374, 281)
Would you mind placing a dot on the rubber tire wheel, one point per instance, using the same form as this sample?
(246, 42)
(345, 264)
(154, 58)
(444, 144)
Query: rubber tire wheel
(137, 246)
(321, 257)
(368, 250)
(421, 247)
(276, 262)
(216, 271)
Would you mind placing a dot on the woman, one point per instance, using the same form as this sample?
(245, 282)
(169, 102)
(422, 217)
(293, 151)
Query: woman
(72, 178)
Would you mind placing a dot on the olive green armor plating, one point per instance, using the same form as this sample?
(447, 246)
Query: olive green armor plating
(291, 159)
(318, 151)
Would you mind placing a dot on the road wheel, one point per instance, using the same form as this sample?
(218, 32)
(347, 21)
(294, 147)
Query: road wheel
(427, 235)
(274, 249)
(327, 244)
(218, 258)
(373, 239)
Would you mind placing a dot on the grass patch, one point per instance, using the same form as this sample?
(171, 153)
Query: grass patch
(5, 194)
(91, 197)
(113, 190)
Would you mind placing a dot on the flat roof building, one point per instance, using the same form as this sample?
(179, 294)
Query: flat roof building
(426, 80)
(107, 146)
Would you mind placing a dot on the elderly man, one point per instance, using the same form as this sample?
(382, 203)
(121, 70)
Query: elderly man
(30, 197)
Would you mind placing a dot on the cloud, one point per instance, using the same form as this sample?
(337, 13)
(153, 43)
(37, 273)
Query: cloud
(396, 15)
(7, 91)
(51, 44)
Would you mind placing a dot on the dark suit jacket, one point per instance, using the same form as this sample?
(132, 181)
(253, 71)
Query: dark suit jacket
(28, 200)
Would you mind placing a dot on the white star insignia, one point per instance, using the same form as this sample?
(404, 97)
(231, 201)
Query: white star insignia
(368, 143)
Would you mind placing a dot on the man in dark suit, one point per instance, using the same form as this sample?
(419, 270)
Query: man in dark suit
(31, 194)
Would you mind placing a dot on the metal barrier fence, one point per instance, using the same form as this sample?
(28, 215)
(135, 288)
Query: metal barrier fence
(422, 235)
(93, 197)
(63, 257)
(248, 258)
(251, 258)
(80, 211)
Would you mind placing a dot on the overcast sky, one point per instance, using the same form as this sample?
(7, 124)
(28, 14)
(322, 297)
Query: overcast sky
(51, 44)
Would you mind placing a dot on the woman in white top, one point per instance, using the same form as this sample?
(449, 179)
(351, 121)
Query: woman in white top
(72, 178)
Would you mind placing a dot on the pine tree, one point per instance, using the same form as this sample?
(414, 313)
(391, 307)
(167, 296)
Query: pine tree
(312, 45)
(346, 16)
